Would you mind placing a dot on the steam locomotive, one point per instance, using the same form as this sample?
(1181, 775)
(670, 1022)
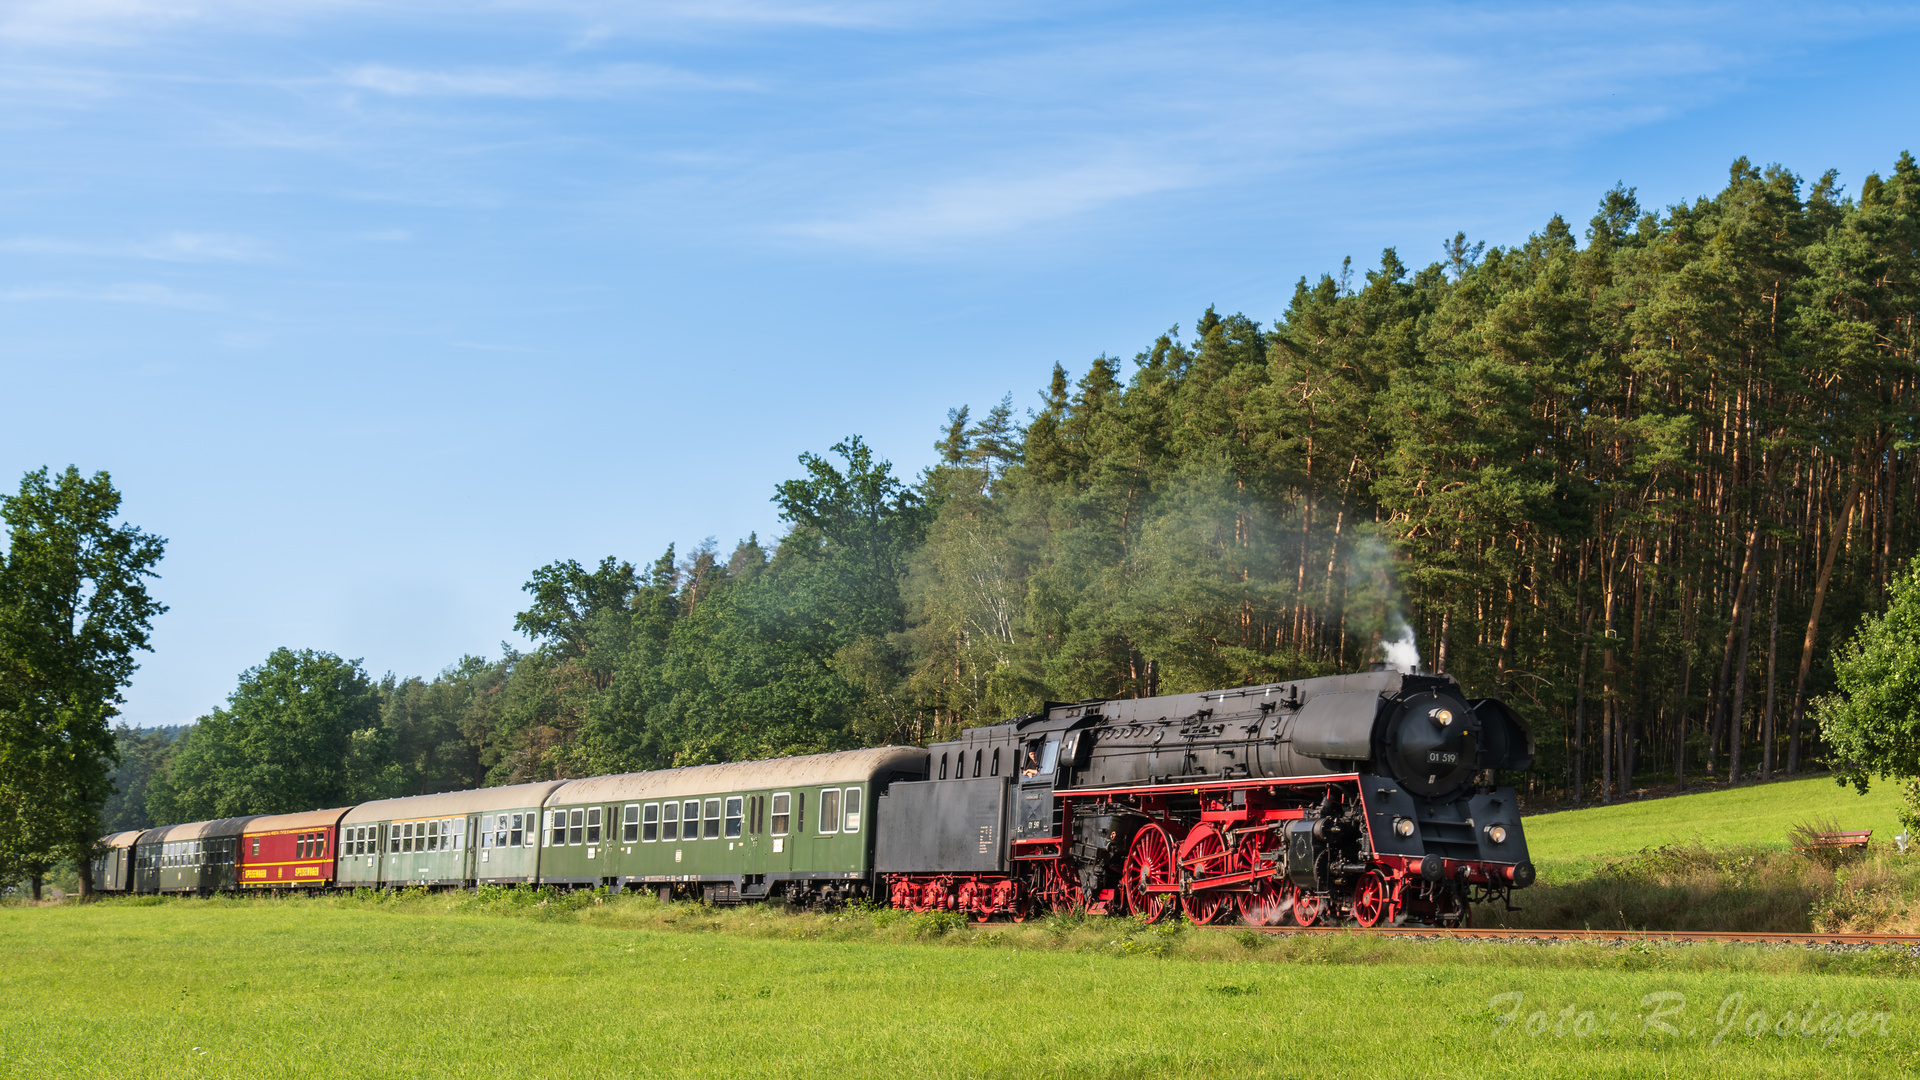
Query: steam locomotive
(1368, 797)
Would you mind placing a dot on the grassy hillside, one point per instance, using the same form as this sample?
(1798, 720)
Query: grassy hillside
(1569, 844)
(440, 987)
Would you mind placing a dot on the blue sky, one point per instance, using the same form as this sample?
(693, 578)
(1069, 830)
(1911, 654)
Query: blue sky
(371, 308)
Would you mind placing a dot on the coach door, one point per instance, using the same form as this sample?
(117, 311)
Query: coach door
(756, 834)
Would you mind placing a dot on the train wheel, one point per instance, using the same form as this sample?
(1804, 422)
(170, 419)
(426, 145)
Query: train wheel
(1063, 890)
(1372, 900)
(1265, 904)
(1266, 900)
(973, 897)
(933, 897)
(1204, 855)
(1149, 862)
(1306, 908)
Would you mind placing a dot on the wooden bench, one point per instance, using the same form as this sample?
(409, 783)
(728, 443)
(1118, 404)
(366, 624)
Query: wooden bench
(1840, 840)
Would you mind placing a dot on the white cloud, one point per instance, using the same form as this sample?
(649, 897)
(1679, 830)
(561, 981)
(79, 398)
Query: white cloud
(530, 82)
(186, 247)
(144, 294)
(982, 206)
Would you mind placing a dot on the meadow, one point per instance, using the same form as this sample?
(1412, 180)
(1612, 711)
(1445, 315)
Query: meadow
(1719, 860)
(1571, 844)
(509, 985)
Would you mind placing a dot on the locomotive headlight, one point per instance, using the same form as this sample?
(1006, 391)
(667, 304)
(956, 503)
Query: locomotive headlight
(1442, 717)
(1497, 833)
(1403, 826)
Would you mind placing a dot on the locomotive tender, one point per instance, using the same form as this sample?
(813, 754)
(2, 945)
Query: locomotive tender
(1367, 796)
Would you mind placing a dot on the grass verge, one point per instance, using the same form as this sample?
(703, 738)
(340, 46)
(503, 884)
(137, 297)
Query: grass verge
(506, 985)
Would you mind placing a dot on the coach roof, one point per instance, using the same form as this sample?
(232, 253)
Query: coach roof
(743, 776)
(202, 830)
(306, 819)
(452, 803)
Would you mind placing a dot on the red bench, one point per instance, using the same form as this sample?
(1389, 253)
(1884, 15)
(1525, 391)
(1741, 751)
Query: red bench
(1838, 840)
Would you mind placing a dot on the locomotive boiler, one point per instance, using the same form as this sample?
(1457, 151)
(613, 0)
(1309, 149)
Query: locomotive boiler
(1371, 796)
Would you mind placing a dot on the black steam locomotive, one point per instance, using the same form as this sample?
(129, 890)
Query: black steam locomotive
(1370, 796)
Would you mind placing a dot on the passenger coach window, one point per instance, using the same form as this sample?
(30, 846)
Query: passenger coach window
(853, 809)
(650, 823)
(559, 823)
(593, 825)
(780, 816)
(713, 819)
(455, 831)
(393, 839)
(830, 810)
(574, 819)
(256, 845)
(734, 807)
(690, 820)
(486, 830)
(521, 837)
(630, 823)
(670, 827)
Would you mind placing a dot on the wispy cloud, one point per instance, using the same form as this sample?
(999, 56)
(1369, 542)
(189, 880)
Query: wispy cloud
(183, 247)
(144, 294)
(531, 82)
(985, 206)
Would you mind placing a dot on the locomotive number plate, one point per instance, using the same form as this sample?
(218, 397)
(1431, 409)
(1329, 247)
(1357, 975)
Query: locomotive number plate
(1443, 757)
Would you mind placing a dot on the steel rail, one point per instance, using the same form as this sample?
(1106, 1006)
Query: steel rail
(1666, 936)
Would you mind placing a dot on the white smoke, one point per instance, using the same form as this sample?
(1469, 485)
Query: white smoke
(1400, 652)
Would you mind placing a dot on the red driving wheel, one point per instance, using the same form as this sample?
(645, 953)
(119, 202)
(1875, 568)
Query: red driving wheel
(1373, 900)
(1266, 901)
(1149, 862)
(1306, 908)
(1204, 855)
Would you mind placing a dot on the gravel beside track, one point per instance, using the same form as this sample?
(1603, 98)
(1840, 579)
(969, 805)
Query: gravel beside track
(1833, 942)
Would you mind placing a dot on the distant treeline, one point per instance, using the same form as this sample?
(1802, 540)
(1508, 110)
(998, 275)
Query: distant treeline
(1639, 486)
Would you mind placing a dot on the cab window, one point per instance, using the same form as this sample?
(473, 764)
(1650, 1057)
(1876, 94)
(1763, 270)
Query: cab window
(780, 816)
(735, 805)
(830, 810)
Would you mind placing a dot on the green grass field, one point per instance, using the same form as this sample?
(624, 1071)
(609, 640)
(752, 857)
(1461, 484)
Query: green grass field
(444, 987)
(1570, 844)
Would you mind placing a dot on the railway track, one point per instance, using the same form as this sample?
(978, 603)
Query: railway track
(1632, 936)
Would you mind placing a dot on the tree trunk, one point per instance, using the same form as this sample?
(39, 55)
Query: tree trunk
(1718, 711)
(86, 879)
(37, 878)
(1773, 657)
(1740, 687)
(1836, 532)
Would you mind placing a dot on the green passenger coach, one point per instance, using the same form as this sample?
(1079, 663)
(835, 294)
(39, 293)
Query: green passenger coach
(460, 838)
(800, 827)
